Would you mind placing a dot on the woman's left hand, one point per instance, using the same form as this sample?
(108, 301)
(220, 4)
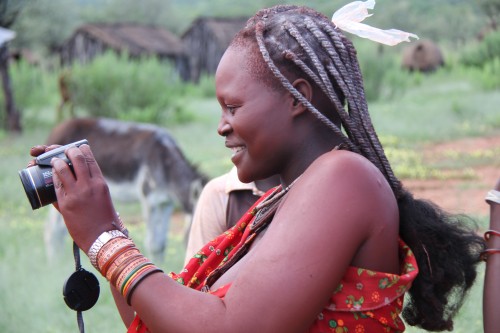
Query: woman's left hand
(83, 196)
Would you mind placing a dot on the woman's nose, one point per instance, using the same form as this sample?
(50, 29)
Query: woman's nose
(224, 128)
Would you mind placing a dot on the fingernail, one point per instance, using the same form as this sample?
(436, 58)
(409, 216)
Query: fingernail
(52, 161)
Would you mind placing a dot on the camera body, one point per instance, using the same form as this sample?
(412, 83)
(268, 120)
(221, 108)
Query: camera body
(37, 180)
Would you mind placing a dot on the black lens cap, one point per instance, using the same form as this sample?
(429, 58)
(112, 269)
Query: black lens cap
(81, 290)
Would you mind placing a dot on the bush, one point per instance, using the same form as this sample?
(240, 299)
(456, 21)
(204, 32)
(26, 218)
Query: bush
(483, 53)
(487, 76)
(32, 87)
(116, 87)
(383, 76)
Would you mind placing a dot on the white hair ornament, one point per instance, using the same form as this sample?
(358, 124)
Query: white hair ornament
(348, 18)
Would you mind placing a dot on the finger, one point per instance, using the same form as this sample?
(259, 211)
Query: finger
(58, 186)
(94, 168)
(57, 181)
(51, 147)
(79, 163)
(40, 149)
(62, 176)
(37, 150)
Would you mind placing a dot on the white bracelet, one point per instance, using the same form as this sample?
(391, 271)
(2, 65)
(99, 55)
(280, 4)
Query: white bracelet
(99, 243)
(493, 196)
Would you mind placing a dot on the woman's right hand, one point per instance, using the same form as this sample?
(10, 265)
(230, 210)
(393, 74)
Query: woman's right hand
(83, 196)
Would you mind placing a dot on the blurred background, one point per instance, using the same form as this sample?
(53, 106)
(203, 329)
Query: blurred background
(434, 103)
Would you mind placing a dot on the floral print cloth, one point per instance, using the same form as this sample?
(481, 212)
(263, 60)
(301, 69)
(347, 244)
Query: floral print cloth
(364, 301)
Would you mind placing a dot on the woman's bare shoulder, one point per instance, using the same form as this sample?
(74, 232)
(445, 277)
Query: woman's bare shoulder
(341, 170)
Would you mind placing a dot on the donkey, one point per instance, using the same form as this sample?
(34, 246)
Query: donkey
(140, 162)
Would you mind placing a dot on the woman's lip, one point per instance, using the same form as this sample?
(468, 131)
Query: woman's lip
(237, 149)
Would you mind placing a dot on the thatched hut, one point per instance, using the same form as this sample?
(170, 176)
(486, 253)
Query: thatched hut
(423, 55)
(136, 40)
(206, 40)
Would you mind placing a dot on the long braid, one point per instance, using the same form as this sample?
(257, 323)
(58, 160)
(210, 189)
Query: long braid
(274, 69)
(300, 41)
(358, 107)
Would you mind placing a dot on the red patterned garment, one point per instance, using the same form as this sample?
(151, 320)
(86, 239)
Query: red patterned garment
(364, 301)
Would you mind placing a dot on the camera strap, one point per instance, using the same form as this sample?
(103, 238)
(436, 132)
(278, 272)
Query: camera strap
(81, 289)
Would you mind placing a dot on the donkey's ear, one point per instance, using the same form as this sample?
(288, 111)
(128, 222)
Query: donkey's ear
(305, 89)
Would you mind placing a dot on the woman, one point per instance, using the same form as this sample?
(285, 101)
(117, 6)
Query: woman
(335, 247)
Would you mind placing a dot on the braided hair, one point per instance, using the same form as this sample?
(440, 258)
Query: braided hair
(288, 42)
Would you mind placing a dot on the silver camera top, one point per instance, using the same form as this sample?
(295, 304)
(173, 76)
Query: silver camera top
(45, 158)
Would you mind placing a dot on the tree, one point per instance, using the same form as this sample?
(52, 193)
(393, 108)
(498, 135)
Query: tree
(9, 9)
(492, 10)
(43, 25)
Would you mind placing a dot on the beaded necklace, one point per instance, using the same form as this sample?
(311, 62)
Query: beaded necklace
(268, 207)
(264, 213)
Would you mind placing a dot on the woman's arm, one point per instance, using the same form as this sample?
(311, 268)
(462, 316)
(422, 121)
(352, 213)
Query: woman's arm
(491, 291)
(287, 278)
(126, 312)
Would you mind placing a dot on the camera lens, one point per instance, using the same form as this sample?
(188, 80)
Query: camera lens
(38, 185)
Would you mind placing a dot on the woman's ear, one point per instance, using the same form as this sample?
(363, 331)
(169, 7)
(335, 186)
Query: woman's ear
(305, 89)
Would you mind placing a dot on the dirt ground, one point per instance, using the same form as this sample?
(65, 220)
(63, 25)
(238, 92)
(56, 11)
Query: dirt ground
(461, 195)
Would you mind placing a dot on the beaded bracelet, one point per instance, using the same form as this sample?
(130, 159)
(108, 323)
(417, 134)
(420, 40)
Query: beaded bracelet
(131, 267)
(133, 285)
(124, 268)
(486, 253)
(488, 234)
(113, 258)
(109, 249)
(99, 243)
(113, 266)
(120, 261)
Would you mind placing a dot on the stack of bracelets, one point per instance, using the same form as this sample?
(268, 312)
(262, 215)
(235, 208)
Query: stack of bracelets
(492, 198)
(117, 258)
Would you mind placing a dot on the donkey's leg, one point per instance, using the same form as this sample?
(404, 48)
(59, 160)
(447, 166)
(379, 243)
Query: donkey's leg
(158, 212)
(54, 235)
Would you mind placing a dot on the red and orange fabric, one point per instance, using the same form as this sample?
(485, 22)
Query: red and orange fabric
(364, 301)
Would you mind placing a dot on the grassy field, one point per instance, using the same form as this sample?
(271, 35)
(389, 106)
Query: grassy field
(31, 300)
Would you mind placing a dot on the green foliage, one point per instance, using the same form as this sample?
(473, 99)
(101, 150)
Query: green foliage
(445, 105)
(483, 53)
(32, 85)
(113, 86)
(487, 76)
(44, 24)
(205, 88)
(9, 11)
(490, 7)
(33, 88)
(374, 66)
(383, 77)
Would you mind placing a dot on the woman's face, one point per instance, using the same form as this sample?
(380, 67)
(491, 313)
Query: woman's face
(255, 118)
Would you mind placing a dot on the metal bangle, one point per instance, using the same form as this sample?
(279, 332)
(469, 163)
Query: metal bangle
(493, 196)
(99, 243)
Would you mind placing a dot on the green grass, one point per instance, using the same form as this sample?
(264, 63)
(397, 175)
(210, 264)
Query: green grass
(442, 108)
(31, 288)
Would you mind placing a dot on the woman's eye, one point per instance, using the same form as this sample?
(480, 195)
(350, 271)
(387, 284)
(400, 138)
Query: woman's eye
(231, 109)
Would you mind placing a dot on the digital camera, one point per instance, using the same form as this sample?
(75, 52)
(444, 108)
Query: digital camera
(37, 180)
